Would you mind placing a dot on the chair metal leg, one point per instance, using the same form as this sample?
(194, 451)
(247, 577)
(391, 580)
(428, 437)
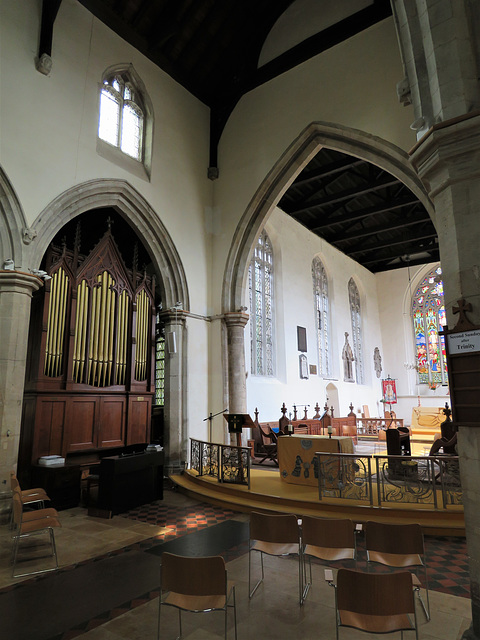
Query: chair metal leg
(250, 593)
(179, 623)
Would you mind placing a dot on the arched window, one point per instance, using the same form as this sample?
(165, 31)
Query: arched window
(121, 121)
(322, 315)
(428, 311)
(260, 280)
(356, 317)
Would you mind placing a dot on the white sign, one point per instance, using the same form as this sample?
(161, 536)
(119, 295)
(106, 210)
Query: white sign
(465, 342)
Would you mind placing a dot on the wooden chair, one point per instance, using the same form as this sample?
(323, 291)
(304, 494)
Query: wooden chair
(375, 603)
(29, 523)
(399, 546)
(197, 585)
(326, 539)
(265, 444)
(275, 535)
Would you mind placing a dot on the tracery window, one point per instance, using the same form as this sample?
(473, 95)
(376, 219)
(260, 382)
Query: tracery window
(122, 115)
(260, 278)
(356, 318)
(322, 316)
(428, 312)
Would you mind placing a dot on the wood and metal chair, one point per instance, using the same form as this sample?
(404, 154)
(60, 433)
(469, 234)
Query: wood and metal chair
(375, 602)
(197, 585)
(329, 540)
(398, 546)
(274, 535)
(37, 496)
(265, 444)
(30, 523)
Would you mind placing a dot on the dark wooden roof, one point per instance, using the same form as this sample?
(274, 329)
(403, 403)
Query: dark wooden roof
(212, 48)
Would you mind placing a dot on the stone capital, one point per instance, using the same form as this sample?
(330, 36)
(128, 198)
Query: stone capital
(448, 154)
(19, 282)
(170, 317)
(236, 318)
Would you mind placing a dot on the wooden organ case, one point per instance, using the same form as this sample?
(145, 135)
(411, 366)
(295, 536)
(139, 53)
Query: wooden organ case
(90, 375)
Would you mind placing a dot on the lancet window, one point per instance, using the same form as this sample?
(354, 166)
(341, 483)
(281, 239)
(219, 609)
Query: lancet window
(356, 319)
(262, 308)
(122, 115)
(428, 312)
(322, 316)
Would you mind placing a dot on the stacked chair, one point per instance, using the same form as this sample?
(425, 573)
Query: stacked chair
(27, 523)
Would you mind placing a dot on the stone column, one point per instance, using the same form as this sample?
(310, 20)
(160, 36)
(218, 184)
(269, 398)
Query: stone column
(175, 438)
(448, 162)
(16, 289)
(237, 388)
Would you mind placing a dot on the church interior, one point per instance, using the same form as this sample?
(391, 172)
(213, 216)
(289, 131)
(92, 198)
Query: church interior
(235, 238)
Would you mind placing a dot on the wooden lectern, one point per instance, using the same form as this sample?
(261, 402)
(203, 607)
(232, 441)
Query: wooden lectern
(237, 422)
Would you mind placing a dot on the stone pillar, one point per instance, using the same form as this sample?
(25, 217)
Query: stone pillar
(175, 438)
(16, 289)
(448, 162)
(237, 388)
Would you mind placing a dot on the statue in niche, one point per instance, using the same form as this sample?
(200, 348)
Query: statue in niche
(347, 357)
(377, 362)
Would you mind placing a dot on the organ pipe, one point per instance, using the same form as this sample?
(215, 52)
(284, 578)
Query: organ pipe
(57, 309)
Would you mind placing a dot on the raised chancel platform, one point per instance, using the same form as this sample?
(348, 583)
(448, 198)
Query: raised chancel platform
(268, 493)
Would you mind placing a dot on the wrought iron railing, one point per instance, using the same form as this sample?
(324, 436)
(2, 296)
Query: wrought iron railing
(432, 482)
(225, 462)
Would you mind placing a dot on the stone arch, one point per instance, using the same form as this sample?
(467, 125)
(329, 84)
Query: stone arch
(13, 225)
(120, 195)
(316, 135)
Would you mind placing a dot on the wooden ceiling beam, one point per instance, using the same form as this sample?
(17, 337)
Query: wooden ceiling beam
(348, 194)
(393, 243)
(354, 216)
(364, 232)
(306, 177)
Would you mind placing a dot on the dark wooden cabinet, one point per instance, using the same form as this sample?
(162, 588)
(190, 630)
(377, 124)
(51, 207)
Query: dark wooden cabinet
(128, 481)
(62, 484)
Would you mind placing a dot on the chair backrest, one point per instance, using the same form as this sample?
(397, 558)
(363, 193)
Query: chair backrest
(17, 507)
(394, 538)
(193, 576)
(375, 594)
(274, 528)
(14, 484)
(325, 532)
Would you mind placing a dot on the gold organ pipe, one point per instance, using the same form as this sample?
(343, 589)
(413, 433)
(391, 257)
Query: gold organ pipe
(142, 336)
(111, 327)
(78, 331)
(101, 331)
(118, 355)
(122, 339)
(51, 324)
(49, 329)
(92, 356)
(85, 296)
(62, 315)
(138, 350)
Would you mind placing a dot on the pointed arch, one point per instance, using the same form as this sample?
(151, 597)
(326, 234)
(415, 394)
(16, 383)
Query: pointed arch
(13, 226)
(120, 195)
(315, 136)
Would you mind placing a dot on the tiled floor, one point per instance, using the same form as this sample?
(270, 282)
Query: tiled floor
(107, 586)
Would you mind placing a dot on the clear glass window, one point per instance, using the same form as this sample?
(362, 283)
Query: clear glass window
(260, 280)
(356, 318)
(322, 316)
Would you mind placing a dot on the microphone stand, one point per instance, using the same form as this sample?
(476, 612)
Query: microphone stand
(210, 418)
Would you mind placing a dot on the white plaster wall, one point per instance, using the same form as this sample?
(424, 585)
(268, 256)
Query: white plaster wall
(395, 291)
(294, 249)
(49, 126)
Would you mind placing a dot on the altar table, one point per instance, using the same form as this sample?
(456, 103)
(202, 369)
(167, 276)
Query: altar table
(296, 455)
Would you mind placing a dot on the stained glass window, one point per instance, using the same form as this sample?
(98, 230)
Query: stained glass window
(356, 318)
(260, 281)
(322, 315)
(121, 120)
(428, 312)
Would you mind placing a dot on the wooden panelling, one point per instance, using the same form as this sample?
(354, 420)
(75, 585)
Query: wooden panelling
(111, 431)
(50, 421)
(81, 425)
(139, 411)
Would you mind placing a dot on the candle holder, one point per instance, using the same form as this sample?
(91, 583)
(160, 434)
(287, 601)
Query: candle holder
(330, 431)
